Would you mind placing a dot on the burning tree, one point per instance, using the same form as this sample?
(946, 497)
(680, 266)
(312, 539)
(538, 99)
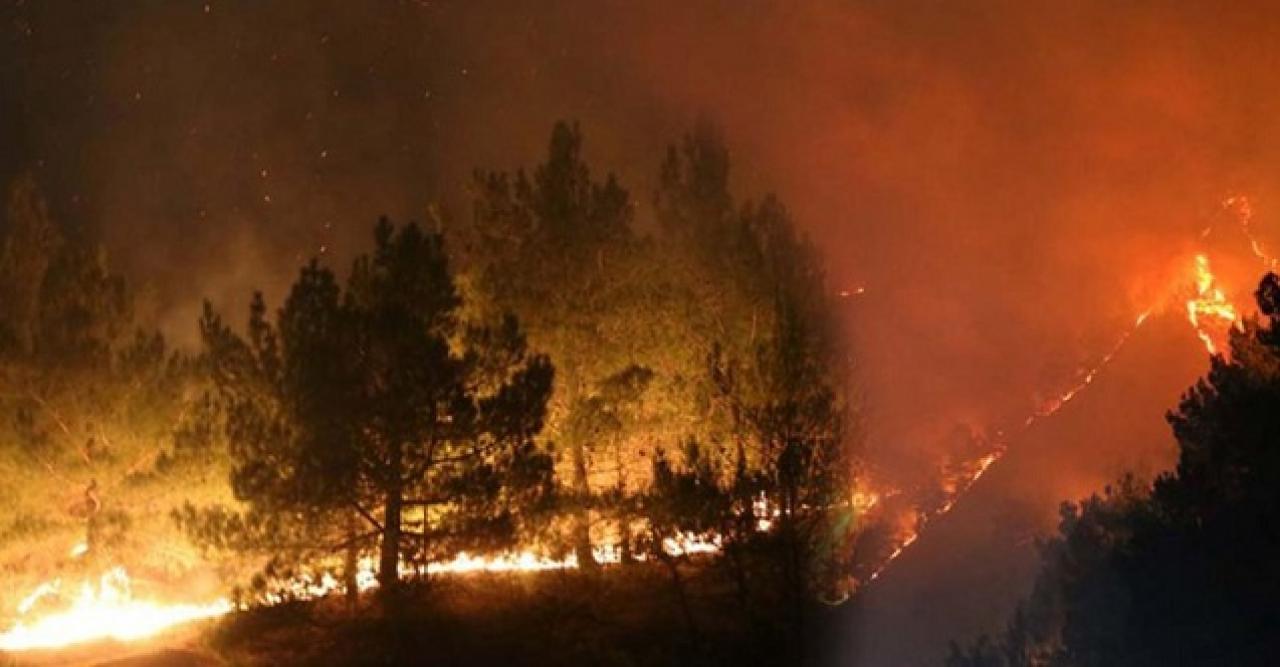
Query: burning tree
(371, 415)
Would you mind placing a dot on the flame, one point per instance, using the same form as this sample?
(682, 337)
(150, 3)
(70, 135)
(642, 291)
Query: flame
(958, 483)
(309, 586)
(1210, 313)
(106, 610)
(1209, 304)
(865, 500)
(856, 291)
(80, 549)
(1243, 209)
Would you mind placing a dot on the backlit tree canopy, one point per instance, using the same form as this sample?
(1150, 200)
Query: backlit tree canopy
(373, 402)
(94, 417)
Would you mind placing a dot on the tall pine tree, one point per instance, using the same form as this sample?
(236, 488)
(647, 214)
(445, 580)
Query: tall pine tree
(373, 406)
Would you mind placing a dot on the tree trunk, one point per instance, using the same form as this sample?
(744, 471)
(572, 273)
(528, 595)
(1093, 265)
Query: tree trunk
(682, 597)
(738, 569)
(389, 561)
(795, 571)
(582, 518)
(625, 554)
(352, 564)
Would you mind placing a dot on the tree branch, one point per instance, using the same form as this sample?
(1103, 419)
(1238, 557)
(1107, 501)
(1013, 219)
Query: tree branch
(367, 516)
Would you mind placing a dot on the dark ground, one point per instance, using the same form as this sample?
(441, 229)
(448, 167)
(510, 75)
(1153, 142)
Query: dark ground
(621, 616)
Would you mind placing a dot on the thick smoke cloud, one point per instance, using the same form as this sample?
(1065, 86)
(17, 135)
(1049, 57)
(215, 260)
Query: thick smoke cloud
(1011, 182)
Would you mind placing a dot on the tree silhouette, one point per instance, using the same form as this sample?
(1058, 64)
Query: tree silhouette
(1186, 571)
(372, 404)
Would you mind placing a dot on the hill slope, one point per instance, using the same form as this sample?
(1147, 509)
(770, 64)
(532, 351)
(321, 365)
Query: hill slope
(968, 570)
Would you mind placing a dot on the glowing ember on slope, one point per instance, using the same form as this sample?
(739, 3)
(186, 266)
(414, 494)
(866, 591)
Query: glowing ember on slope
(957, 485)
(1209, 304)
(960, 483)
(1211, 314)
(1243, 209)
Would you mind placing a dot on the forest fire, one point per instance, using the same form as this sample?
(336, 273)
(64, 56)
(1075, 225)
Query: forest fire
(108, 608)
(1211, 315)
(105, 609)
(963, 477)
(58, 613)
(55, 614)
(1208, 303)
(578, 333)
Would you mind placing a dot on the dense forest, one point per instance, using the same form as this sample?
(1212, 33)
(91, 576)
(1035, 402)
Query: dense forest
(638, 334)
(658, 387)
(637, 422)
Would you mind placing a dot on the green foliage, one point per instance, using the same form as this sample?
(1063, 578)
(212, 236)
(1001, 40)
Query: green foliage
(403, 413)
(610, 306)
(557, 250)
(777, 372)
(88, 412)
(371, 402)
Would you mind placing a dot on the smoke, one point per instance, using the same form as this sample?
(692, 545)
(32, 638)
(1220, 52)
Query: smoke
(1011, 182)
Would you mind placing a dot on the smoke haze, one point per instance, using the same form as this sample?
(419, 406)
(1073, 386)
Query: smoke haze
(1011, 182)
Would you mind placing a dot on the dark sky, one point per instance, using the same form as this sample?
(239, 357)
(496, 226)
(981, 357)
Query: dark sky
(1011, 181)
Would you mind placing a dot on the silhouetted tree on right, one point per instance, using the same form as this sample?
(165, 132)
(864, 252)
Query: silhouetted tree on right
(1186, 572)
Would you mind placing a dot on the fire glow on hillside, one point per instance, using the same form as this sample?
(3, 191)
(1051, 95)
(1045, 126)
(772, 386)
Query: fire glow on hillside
(1211, 314)
(55, 614)
(1208, 309)
(105, 609)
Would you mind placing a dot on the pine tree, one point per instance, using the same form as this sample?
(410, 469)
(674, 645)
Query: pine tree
(91, 410)
(373, 401)
(556, 249)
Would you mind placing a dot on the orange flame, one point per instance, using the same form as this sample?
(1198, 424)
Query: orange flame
(102, 610)
(1243, 209)
(1209, 305)
(107, 609)
(1210, 313)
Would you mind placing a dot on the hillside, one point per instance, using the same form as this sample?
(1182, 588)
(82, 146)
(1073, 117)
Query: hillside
(987, 543)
